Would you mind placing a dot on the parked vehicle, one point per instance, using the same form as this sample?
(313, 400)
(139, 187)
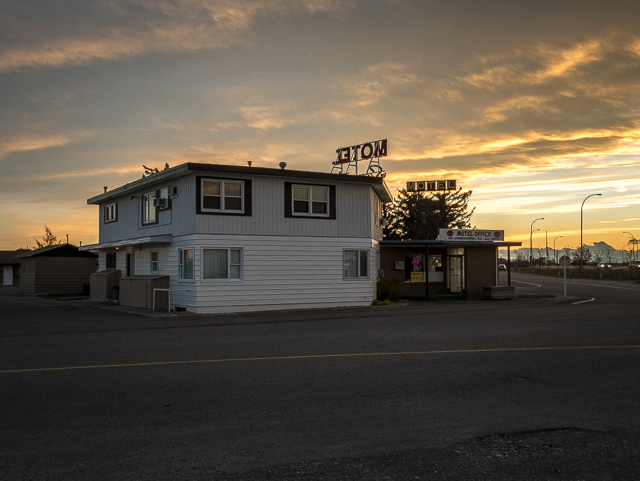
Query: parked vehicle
(634, 264)
(502, 267)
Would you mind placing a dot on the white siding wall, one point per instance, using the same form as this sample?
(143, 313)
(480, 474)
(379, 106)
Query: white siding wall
(353, 212)
(278, 273)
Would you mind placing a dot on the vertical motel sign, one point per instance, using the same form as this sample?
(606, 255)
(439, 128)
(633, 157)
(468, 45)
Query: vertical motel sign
(431, 185)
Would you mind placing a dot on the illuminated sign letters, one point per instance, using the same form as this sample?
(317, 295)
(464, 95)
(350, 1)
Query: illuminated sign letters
(431, 185)
(366, 151)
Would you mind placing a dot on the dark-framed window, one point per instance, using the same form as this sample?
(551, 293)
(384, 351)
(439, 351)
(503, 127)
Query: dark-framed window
(153, 257)
(110, 260)
(309, 201)
(223, 196)
(111, 212)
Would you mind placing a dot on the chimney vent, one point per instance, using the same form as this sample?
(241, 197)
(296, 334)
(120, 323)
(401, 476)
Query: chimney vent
(282, 165)
(105, 189)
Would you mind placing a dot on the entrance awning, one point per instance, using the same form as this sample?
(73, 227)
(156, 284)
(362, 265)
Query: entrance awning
(154, 239)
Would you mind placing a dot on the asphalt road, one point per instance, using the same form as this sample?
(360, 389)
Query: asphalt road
(530, 388)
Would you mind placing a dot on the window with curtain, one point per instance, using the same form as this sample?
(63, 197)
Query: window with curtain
(355, 263)
(222, 263)
(148, 209)
(185, 264)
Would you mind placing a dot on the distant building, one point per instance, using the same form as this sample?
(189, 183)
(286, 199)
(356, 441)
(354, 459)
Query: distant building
(56, 269)
(10, 267)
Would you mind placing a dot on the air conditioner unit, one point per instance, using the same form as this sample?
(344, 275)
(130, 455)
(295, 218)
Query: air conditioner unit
(160, 202)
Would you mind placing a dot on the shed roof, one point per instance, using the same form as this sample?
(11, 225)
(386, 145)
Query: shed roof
(57, 250)
(9, 257)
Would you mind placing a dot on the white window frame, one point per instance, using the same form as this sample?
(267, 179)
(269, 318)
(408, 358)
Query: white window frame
(223, 196)
(156, 262)
(367, 262)
(229, 265)
(181, 265)
(310, 189)
(148, 208)
(111, 212)
(378, 211)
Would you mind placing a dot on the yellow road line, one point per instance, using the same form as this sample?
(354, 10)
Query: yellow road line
(318, 356)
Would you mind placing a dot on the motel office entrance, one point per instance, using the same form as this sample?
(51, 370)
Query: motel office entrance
(427, 269)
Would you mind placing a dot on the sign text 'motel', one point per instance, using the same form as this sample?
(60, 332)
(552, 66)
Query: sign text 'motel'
(364, 151)
(431, 185)
(476, 235)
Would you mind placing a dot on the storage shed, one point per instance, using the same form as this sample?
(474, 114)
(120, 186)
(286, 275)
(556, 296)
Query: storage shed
(57, 269)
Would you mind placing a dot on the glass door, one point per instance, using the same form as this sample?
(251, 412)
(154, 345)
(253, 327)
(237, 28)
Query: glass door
(456, 274)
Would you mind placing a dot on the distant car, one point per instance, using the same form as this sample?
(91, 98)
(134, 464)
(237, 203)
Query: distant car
(604, 266)
(502, 267)
(634, 264)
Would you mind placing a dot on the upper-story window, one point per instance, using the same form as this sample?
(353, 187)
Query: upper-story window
(222, 196)
(306, 200)
(378, 212)
(310, 200)
(111, 213)
(148, 208)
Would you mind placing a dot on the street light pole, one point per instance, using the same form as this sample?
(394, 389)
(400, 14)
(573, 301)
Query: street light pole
(554, 248)
(531, 242)
(635, 243)
(581, 209)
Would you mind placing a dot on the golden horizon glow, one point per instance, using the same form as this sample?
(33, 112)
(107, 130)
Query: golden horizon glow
(531, 112)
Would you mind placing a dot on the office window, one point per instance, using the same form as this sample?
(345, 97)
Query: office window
(222, 264)
(148, 209)
(154, 262)
(310, 200)
(185, 264)
(222, 196)
(110, 260)
(356, 263)
(111, 213)
(415, 268)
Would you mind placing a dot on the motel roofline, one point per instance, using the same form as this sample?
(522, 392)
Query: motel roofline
(447, 243)
(377, 183)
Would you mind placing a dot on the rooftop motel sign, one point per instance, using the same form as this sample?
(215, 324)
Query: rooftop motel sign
(349, 157)
(366, 151)
(476, 235)
(431, 185)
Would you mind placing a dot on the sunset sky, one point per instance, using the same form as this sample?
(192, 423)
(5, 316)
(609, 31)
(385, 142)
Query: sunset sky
(531, 105)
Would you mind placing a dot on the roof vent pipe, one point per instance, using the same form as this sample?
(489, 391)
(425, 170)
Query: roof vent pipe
(105, 189)
(282, 165)
(249, 163)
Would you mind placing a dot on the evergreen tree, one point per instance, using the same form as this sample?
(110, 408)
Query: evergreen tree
(420, 215)
(47, 240)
